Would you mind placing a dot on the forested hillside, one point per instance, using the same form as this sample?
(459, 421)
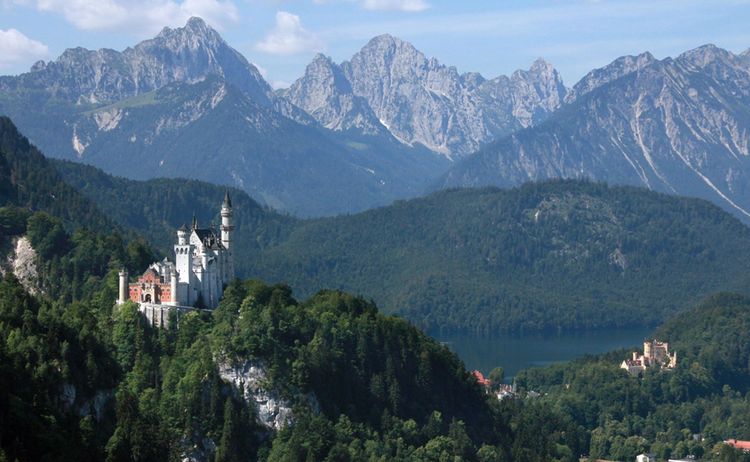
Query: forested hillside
(28, 180)
(554, 255)
(82, 379)
(688, 411)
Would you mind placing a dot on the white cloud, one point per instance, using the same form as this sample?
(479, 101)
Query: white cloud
(139, 16)
(16, 48)
(400, 5)
(289, 37)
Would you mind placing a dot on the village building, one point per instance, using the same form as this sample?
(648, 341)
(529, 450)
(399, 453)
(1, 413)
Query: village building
(744, 446)
(481, 380)
(203, 266)
(655, 354)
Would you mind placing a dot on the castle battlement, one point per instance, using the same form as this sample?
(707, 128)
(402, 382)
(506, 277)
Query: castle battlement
(203, 266)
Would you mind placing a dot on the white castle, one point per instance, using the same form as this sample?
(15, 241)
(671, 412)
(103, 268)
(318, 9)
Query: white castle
(203, 265)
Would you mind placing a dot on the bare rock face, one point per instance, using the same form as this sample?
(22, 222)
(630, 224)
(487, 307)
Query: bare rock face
(22, 262)
(274, 412)
(325, 94)
(677, 125)
(618, 68)
(420, 101)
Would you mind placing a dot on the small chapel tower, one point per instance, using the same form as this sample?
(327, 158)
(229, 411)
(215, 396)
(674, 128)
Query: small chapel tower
(227, 226)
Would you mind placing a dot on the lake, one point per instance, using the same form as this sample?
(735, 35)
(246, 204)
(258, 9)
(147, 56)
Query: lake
(515, 352)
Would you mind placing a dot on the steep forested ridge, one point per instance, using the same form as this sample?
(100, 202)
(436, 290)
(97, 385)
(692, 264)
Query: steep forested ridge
(28, 180)
(561, 254)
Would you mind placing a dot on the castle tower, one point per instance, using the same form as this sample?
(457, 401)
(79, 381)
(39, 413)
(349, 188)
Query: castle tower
(227, 226)
(123, 286)
(173, 287)
(183, 256)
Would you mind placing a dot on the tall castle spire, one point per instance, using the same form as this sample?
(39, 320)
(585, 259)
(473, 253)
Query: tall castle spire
(227, 227)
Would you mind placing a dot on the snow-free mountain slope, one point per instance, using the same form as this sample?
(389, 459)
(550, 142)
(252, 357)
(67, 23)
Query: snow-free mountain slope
(185, 54)
(421, 101)
(677, 125)
(186, 104)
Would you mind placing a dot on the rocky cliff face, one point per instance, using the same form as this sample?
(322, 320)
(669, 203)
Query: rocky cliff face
(21, 261)
(325, 93)
(186, 54)
(677, 125)
(618, 68)
(420, 101)
(274, 413)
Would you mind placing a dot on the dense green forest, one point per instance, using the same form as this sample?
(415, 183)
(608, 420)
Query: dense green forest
(688, 411)
(545, 256)
(28, 180)
(81, 379)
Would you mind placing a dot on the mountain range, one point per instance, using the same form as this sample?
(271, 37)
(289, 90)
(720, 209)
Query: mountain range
(186, 104)
(391, 85)
(680, 126)
(389, 123)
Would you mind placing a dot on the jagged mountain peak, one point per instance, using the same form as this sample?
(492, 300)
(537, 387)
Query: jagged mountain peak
(678, 125)
(421, 101)
(321, 58)
(541, 65)
(183, 54)
(195, 29)
(389, 49)
(325, 93)
(196, 23)
(386, 40)
(704, 55)
(618, 68)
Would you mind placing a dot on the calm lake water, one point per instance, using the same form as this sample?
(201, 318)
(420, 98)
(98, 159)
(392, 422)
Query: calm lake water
(514, 353)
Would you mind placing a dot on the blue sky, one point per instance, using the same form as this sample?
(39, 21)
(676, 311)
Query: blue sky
(490, 37)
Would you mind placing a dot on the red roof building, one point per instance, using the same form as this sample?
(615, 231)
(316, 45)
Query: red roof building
(739, 444)
(480, 379)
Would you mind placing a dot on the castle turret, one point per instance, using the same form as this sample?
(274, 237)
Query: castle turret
(173, 287)
(123, 286)
(183, 259)
(182, 235)
(227, 227)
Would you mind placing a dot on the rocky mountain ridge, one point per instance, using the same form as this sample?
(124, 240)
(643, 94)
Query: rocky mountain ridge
(185, 104)
(421, 101)
(678, 125)
(185, 54)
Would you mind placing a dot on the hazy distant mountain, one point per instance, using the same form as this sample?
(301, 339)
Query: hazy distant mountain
(620, 67)
(325, 93)
(186, 104)
(390, 84)
(185, 54)
(677, 125)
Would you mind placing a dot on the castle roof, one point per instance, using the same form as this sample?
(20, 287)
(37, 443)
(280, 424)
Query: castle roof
(227, 199)
(208, 238)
